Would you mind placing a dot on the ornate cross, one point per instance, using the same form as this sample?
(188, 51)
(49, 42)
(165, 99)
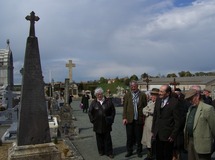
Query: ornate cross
(32, 18)
(147, 80)
(70, 65)
(174, 83)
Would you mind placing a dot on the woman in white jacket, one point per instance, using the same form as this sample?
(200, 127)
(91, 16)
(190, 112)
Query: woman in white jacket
(148, 114)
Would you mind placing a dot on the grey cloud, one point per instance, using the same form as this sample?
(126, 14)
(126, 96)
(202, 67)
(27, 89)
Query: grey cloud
(112, 38)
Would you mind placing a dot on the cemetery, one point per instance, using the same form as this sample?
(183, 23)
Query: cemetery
(41, 124)
(38, 124)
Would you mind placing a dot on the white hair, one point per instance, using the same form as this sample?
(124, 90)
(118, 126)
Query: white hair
(98, 90)
(133, 82)
(196, 87)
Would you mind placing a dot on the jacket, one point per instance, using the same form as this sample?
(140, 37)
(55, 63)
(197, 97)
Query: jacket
(101, 115)
(203, 128)
(166, 121)
(128, 107)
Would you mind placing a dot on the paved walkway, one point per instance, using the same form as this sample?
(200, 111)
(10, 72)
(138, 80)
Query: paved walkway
(86, 142)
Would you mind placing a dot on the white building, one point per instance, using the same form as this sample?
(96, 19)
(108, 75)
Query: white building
(184, 83)
(6, 67)
(6, 75)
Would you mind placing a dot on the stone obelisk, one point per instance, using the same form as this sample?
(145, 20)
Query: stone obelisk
(33, 133)
(33, 125)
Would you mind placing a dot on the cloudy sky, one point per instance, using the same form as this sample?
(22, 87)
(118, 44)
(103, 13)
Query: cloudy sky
(112, 38)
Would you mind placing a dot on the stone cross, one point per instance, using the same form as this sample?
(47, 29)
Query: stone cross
(32, 18)
(174, 83)
(70, 65)
(147, 80)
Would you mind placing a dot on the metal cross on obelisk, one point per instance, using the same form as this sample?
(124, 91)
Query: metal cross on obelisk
(147, 80)
(33, 127)
(70, 65)
(174, 83)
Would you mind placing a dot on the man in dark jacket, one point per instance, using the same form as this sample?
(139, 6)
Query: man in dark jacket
(166, 123)
(85, 102)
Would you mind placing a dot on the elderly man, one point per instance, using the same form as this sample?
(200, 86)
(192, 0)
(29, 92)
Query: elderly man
(206, 96)
(166, 123)
(199, 127)
(134, 102)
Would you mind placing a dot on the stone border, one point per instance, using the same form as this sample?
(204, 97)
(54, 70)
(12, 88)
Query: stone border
(76, 153)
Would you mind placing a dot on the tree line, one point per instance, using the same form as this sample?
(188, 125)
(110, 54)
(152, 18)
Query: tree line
(123, 82)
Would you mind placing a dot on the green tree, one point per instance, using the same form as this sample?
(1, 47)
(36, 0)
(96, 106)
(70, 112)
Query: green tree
(144, 75)
(171, 75)
(185, 74)
(103, 80)
(80, 86)
(134, 77)
(189, 74)
(211, 73)
(127, 81)
(200, 74)
(117, 80)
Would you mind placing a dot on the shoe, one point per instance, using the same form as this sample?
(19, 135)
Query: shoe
(147, 158)
(111, 156)
(139, 155)
(101, 154)
(129, 154)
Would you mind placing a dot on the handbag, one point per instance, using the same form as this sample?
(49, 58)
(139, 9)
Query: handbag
(81, 105)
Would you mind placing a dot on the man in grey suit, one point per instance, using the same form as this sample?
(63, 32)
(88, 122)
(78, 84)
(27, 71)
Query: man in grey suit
(199, 127)
(166, 123)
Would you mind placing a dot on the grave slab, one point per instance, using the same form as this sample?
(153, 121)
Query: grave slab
(34, 152)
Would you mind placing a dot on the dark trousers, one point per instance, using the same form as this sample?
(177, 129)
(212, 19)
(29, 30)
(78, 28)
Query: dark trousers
(164, 149)
(85, 109)
(134, 133)
(104, 143)
(213, 146)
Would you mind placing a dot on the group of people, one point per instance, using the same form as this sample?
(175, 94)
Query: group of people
(166, 122)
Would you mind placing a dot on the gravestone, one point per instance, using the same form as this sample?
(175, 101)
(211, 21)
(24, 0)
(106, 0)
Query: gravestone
(33, 133)
(7, 116)
(11, 133)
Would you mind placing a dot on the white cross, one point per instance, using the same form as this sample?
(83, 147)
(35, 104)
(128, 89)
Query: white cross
(70, 65)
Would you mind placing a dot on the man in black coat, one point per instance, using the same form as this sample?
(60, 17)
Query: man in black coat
(166, 123)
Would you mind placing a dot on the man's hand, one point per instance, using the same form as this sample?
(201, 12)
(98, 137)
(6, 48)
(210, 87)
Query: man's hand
(153, 136)
(124, 121)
